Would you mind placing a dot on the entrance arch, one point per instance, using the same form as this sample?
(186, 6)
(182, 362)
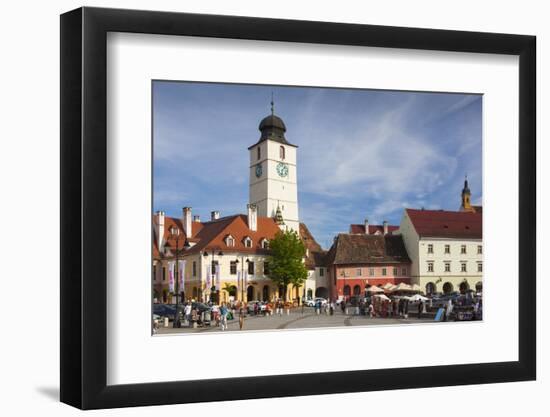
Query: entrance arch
(447, 288)
(265, 293)
(321, 292)
(347, 290)
(463, 287)
(250, 293)
(430, 288)
(357, 290)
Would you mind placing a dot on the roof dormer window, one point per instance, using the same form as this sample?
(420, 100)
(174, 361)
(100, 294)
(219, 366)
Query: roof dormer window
(247, 242)
(229, 241)
(265, 243)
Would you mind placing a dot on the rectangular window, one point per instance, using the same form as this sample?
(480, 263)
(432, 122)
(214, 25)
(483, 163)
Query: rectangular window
(480, 267)
(384, 272)
(430, 266)
(463, 267)
(194, 268)
(479, 249)
(463, 249)
(251, 268)
(233, 267)
(371, 272)
(447, 267)
(266, 268)
(395, 273)
(164, 273)
(430, 248)
(403, 271)
(214, 263)
(358, 272)
(447, 248)
(154, 272)
(321, 272)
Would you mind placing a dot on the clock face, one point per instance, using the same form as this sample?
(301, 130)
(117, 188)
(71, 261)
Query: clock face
(282, 169)
(258, 170)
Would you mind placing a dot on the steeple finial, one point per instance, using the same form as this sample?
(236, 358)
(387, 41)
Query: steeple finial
(272, 105)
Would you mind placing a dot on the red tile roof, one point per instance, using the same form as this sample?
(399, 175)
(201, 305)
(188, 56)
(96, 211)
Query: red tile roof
(316, 253)
(449, 224)
(211, 235)
(359, 229)
(367, 249)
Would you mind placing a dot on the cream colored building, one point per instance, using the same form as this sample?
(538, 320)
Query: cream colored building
(446, 249)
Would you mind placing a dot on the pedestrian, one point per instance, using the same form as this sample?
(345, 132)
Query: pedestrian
(420, 308)
(371, 310)
(223, 317)
(188, 314)
(332, 308)
(343, 306)
(241, 316)
(255, 309)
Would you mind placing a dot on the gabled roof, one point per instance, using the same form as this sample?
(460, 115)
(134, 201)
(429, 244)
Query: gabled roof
(447, 224)
(211, 235)
(373, 228)
(367, 249)
(316, 254)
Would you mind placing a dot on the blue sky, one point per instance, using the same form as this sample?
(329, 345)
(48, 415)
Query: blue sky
(362, 153)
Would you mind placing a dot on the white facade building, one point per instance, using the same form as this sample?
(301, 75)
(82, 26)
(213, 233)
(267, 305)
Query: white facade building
(446, 249)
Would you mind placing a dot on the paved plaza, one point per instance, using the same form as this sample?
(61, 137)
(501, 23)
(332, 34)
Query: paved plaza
(297, 320)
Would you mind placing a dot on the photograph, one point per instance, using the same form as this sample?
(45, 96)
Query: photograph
(291, 207)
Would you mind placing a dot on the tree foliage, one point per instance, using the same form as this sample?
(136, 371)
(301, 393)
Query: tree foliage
(286, 263)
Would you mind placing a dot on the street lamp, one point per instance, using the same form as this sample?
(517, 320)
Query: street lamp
(216, 290)
(242, 275)
(175, 234)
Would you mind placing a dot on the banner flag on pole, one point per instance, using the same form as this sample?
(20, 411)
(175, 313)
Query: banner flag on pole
(208, 285)
(218, 283)
(181, 268)
(171, 276)
(245, 280)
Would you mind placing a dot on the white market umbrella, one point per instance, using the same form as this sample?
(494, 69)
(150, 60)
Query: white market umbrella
(374, 289)
(403, 287)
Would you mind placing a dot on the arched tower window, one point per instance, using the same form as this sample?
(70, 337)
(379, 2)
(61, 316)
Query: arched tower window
(282, 152)
(259, 152)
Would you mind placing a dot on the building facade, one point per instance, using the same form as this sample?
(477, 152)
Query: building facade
(446, 249)
(357, 261)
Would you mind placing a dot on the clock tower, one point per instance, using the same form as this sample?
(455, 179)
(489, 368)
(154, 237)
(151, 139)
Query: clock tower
(273, 178)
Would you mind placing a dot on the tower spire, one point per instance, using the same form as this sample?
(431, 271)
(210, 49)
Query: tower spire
(272, 105)
(466, 194)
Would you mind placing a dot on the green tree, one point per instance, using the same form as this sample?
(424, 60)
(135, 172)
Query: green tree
(286, 261)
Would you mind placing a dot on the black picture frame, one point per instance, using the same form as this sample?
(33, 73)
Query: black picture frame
(84, 207)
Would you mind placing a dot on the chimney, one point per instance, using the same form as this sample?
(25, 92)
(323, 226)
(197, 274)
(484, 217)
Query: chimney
(197, 218)
(160, 229)
(186, 221)
(252, 217)
(214, 215)
(366, 226)
(385, 223)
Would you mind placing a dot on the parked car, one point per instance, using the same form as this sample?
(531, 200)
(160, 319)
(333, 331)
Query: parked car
(261, 306)
(201, 307)
(165, 310)
(319, 299)
(310, 302)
